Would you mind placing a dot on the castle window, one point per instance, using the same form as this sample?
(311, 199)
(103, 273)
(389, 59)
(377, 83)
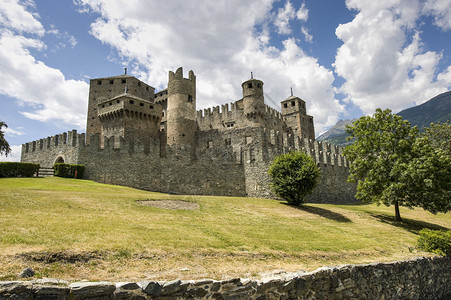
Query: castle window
(251, 155)
(139, 83)
(111, 103)
(228, 142)
(123, 80)
(293, 103)
(141, 104)
(99, 82)
(131, 102)
(285, 105)
(248, 140)
(210, 144)
(163, 113)
(147, 88)
(190, 98)
(249, 85)
(118, 101)
(151, 106)
(258, 85)
(111, 81)
(103, 105)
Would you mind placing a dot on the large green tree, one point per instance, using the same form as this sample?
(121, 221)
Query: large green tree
(294, 176)
(394, 165)
(4, 146)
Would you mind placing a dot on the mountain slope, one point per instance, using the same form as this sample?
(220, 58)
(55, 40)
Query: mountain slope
(437, 109)
(337, 134)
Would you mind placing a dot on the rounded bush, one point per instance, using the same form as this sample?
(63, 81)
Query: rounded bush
(294, 176)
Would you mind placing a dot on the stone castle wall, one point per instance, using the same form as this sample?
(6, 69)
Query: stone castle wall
(422, 278)
(46, 151)
(231, 162)
(176, 170)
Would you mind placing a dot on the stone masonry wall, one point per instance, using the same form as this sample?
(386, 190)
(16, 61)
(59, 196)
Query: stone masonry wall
(230, 162)
(141, 166)
(422, 278)
(46, 151)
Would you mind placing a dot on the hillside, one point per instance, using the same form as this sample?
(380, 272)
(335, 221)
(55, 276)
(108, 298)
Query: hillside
(78, 229)
(437, 109)
(337, 134)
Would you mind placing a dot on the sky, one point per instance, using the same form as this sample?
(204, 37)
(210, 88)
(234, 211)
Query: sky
(344, 58)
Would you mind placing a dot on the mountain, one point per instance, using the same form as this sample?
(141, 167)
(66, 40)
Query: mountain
(437, 109)
(337, 134)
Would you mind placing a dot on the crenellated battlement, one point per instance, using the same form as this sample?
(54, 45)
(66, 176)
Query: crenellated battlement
(70, 138)
(273, 112)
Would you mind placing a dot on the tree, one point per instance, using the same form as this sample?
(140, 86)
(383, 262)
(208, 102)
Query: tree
(294, 176)
(440, 135)
(4, 146)
(428, 174)
(393, 165)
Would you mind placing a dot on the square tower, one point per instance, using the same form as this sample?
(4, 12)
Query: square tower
(104, 89)
(295, 113)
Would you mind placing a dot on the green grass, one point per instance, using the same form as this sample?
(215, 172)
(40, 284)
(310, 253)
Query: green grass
(78, 229)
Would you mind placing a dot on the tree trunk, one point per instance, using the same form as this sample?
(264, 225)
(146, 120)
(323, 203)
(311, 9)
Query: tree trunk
(397, 214)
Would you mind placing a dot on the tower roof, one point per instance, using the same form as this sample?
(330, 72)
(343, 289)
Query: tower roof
(292, 98)
(113, 77)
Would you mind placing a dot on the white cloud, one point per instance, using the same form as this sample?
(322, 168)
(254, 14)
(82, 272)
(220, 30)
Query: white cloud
(441, 10)
(221, 44)
(284, 16)
(43, 91)
(308, 37)
(14, 132)
(65, 37)
(302, 13)
(14, 15)
(14, 155)
(380, 65)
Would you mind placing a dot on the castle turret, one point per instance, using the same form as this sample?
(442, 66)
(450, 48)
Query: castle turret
(181, 109)
(253, 100)
(104, 89)
(295, 113)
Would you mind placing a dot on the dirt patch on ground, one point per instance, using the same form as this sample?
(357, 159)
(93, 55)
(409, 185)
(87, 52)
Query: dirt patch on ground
(62, 256)
(170, 204)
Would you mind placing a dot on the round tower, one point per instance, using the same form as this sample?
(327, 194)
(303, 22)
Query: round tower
(181, 109)
(253, 100)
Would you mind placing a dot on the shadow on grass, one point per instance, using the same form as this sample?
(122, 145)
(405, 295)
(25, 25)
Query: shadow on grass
(328, 214)
(410, 225)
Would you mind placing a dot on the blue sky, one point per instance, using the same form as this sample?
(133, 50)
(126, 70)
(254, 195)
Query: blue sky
(344, 58)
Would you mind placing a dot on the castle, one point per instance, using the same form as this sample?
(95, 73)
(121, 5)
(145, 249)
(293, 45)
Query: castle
(159, 142)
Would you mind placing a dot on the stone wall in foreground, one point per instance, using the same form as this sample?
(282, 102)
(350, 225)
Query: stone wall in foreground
(422, 278)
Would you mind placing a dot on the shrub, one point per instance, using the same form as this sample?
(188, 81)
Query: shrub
(68, 170)
(294, 176)
(436, 241)
(18, 169)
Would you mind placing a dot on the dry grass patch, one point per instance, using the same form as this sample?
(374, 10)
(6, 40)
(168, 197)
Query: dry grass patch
(78, 229)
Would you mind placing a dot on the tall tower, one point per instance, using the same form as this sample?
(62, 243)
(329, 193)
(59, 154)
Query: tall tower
(253, 100)
(295, 113)
(181, 109)
(104, 89)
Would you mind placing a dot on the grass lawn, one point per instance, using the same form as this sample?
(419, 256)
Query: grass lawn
(78, 229)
